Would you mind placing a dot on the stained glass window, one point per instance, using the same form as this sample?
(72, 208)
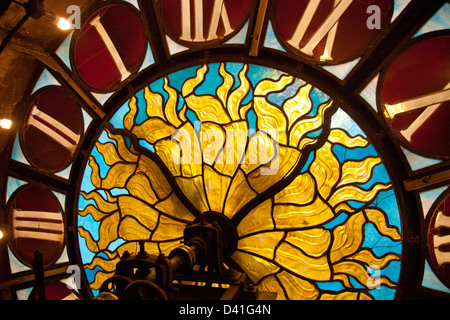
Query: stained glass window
(309, 196)
(313, 133)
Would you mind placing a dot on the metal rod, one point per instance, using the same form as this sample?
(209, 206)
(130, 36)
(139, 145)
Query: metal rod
(254, 47)
(184, 257)
(38, 269)
(427, 180)
(13, 31)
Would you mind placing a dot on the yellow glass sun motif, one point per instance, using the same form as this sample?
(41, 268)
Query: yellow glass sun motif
(287, 241)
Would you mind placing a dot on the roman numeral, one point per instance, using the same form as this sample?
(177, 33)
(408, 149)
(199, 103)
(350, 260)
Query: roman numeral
(432, 102)
(442, 257)
(328, 27)
(442, 221)
(219, 13)
(54, 129)
(97, 24)
(38, 225)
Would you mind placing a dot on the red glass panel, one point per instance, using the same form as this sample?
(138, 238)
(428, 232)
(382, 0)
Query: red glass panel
(345, 40)
(54, 291)
(52, 130)
(439, 240)
(420, 71)
(206, 20)
(109, 47)
(36, 223)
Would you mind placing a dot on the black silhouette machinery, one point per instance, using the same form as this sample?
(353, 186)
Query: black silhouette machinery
(194, 270)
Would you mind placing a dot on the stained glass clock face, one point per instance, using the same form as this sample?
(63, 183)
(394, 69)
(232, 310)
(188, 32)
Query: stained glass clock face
(307, 193)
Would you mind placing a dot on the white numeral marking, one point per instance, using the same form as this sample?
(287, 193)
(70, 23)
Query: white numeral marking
(432, 101)
(97, 24)
(219, 12)
(59, 133)
(29, 224)
(328, 27)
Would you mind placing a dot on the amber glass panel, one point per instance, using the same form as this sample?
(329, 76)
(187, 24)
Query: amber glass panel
(310, 198)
